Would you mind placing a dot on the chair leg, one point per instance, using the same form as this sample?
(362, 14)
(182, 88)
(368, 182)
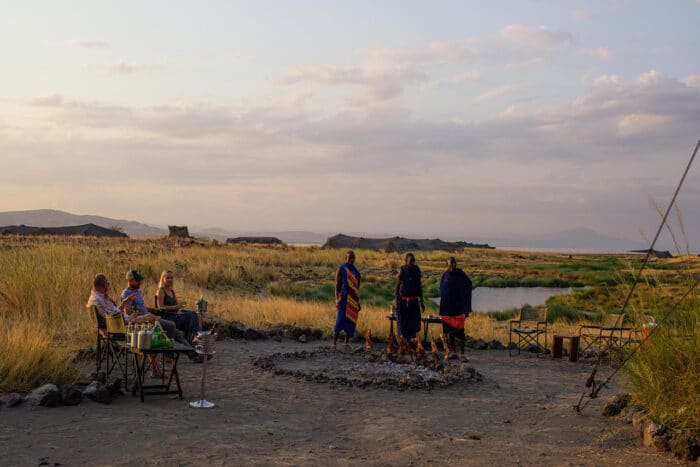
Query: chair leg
(98, 355)
(510, 342)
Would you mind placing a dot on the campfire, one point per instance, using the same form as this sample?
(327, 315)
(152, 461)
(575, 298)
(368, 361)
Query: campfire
(402, 364)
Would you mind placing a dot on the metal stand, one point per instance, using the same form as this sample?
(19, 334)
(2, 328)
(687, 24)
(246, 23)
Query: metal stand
(205, 347)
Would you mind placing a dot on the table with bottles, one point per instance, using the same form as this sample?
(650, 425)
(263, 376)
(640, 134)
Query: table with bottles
(147, 343)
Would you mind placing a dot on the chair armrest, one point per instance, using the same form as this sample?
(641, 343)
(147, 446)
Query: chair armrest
(512, 322)
(589, 326)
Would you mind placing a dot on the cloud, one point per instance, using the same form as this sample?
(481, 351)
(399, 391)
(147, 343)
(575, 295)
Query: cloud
(125, 68)
(591, 160)
(636, 124)
(692, 81)
(82, 44)
(601, 53)
(578, 16)
(649, 78)
(456, 80)
(526, 46)
(538, 37)
(522, 64)
(498, 92)
(383, 74)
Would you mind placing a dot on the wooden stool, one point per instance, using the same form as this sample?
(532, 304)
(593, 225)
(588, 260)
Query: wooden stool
(559, 344)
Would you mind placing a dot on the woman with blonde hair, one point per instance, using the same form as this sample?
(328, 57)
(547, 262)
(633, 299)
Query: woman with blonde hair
(172, 308)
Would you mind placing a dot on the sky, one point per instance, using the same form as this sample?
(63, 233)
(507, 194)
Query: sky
(455, 118)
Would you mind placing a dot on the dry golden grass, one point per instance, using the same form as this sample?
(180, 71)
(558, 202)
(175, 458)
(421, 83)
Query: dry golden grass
(45, 283)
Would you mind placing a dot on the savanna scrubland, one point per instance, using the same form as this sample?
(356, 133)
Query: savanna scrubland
(45, 283)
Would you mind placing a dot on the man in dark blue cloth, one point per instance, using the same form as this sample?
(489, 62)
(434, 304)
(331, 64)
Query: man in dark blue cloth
(409, 298)
(455, 302)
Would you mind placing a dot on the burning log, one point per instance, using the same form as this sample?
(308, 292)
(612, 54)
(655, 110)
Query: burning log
(445, 347)
(434, 350)
(390, 349)
(368, 340)
(404, 346)
(420, 351)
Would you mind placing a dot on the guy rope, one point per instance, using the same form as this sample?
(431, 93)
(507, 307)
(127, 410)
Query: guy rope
(591, 383)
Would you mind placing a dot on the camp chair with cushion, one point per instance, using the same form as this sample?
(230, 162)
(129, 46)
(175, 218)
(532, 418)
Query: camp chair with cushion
(117, 354)
(528, 328)
(101, 337)
(606, 337)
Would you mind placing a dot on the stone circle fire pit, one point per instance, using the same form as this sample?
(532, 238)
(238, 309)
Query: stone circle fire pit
(360, 368)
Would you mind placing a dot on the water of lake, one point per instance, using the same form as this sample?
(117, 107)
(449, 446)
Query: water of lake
(496, 299)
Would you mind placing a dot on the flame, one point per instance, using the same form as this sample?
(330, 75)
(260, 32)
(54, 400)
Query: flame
(420, 351)
(404, 346)
(368, 340)
(444, 346)
(390, 349)
(434, 350)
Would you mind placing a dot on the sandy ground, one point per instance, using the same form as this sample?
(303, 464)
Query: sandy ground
(520, 414)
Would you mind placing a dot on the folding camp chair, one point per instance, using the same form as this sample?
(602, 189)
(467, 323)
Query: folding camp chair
(117, 353)
(605, 338)
(528, 328)
(101, 337)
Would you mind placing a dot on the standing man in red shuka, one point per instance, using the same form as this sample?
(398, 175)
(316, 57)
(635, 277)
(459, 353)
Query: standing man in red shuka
(455, 302)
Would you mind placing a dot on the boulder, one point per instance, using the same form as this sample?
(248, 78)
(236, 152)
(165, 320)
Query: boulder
(70, 395)
(685, 446)
(655, 436)
(496, 345)
(302, 338)
(98, 392)
(100, 376)
(615, 406)
(12, 400)
(253, 334)
(116, 387)
(179, 231)
(221, 326)
(479, 344)
(47, 395)
(632, 410)
(639, 420)
(279, 330)
(236, 329)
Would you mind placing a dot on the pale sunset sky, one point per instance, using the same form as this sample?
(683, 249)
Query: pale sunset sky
(456, 118)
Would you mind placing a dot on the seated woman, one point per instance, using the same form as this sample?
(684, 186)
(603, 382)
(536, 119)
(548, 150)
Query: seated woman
(166, 300)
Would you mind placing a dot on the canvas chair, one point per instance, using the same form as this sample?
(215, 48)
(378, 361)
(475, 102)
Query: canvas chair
(117, 353)
(528, 328)
(101, 337)
(606, 337)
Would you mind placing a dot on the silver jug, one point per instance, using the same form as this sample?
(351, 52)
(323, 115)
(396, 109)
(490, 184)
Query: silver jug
(144, 340)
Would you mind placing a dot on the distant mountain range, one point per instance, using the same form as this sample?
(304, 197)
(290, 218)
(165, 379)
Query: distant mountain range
(54, 218)
(580, 239)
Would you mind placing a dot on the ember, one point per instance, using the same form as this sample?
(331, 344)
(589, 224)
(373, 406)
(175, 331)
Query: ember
(367, 369)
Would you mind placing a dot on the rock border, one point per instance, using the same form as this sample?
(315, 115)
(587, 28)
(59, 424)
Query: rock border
(685, 445)
(452, 374)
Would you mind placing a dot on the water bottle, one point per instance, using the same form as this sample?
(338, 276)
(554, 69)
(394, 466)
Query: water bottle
(157, 338)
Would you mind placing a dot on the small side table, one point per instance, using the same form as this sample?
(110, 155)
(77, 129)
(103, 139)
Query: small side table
(141, 365)
(559, 345)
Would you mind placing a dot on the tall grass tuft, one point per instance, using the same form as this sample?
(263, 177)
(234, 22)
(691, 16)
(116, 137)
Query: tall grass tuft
(665, 372)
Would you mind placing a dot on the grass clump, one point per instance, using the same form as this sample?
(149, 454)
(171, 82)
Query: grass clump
(665, 373)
